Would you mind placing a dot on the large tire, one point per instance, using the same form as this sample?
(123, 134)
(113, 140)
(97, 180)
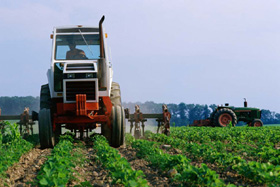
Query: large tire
(212, 115)
(45, 97)
(257, 123)
(224, 116)
(118, 117)
(117, 126)
(115, 95)
(45, 129)
(123, 130)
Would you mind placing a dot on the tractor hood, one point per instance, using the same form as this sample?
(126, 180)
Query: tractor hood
(245, 108)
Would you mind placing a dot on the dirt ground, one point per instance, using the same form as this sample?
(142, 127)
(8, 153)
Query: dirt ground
(153, 175)
(25, 171)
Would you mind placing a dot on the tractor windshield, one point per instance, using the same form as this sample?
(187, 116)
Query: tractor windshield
(77, 47)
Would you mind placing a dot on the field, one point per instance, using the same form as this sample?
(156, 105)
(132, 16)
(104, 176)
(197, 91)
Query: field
(190, 156)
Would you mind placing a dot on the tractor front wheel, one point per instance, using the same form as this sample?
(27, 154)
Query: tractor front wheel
(257, 123)
(224, 116)
(45, 129)
(118, 126)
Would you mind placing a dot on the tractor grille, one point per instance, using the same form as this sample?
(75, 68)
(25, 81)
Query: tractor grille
(80, 67)
(81, 87)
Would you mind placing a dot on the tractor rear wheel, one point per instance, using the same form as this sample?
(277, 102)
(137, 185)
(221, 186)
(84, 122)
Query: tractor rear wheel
(115, 94)
(257, 123)
(223, 117)
(123, 127)
(212, 115)
(118, 126)
(45, 97)
(45, 129)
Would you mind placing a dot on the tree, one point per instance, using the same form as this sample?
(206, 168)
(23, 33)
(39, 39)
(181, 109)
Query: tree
(182, 109)
(15, 105)
(213, 107)
(206, 112)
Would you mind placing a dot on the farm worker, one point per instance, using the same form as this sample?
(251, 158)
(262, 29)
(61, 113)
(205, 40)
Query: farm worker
(74, 53)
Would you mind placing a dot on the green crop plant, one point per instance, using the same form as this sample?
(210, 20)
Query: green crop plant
(118, 167)
(187, 173)
(12, 146)
(58, 169)
(229, 124)
(229, 149)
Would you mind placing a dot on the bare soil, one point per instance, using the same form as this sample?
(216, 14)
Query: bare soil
(25, 171)
(154, 176)
(90, 171)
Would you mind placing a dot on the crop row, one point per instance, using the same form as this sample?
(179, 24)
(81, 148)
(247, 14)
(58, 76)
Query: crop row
(118, 167)
(58, 169)
(12, 146)
(184, 172)
(264, 173)
(234, 142)
(259, 136)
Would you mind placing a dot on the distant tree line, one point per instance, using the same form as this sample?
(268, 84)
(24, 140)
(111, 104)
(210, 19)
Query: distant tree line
(15, 105)
(182, 114)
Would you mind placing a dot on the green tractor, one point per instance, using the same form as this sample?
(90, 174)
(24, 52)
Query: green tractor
(222, 116)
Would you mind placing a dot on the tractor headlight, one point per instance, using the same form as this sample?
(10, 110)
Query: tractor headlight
(71, 76)
(89, 75)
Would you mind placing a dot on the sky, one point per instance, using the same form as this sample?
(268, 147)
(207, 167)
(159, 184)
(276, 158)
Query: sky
(191, 51)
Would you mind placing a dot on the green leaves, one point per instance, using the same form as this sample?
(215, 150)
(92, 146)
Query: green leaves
(120, 170)
(232, 149)
(187, 174)
(259, 172)
(58, 169)
(12, 146)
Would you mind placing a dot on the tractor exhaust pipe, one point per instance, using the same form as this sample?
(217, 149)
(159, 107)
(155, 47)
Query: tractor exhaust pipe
(102, 63)
(245, 103)
(101, 37)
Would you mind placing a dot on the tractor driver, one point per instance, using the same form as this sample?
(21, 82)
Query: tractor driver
(74, 53)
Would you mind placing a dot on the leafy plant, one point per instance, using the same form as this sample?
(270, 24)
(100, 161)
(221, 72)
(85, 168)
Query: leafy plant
(119, 168)
(58, 169)
(229, 148)
(12, 146)
(187, 173)
(229, 124)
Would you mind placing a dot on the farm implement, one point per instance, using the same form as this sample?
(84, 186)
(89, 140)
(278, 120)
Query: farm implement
(138, 117)
(222, 116)
(25, 122)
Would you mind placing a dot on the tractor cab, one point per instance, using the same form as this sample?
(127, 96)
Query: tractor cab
(79, 55)
(77, 46)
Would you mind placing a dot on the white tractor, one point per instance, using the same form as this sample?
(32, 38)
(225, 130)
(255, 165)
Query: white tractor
(80, 94)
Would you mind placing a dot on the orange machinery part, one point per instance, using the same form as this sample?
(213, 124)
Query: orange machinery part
(84, 112)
